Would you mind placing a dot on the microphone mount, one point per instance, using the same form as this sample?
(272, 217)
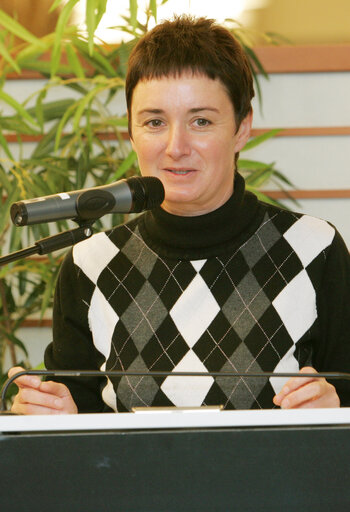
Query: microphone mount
(54, 242)
(91, 206)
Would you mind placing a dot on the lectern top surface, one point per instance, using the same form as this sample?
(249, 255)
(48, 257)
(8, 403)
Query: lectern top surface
(175, 419)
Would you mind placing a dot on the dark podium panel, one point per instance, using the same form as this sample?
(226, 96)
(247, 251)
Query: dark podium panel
(299, 469)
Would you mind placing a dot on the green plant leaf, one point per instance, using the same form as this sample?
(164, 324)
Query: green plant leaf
(275, 38)
(45, 67)
(32, 52)
(261, 138)
(60, 27)
(255, 60)
(82, 104)
(6, 55)
(53, 109)
(12, 196)
(133, 13)
(15, 239)
(126, 164)
(101, 63)
(16, 106)
(101, 9)
(260, 176)
(16, 125)
(116, 121)
(153, 9)
(39, 108)
(16, 341)
(74, 61)
(68, 114)
(90, 17)
(4, 145)
(283, 178)
(250, 164)
(97, 61)
(54, 6)
(93, 14)
(40, 366)
(4, 180)
(47, 142)
(266, 199)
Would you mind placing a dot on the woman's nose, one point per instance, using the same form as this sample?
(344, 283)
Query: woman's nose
(178, 143)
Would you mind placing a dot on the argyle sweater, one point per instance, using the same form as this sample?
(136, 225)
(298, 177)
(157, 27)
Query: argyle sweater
(248, 287)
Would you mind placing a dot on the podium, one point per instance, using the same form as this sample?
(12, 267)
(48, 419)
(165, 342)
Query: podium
(295, 460)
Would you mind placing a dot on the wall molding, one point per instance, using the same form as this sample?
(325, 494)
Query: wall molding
(276, 59)
(306, 131)
(45, 322)
(312, 131)
(309, 194)
(305, 58)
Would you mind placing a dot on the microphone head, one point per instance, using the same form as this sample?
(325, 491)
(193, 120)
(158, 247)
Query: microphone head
(19, 214)
(147, 192)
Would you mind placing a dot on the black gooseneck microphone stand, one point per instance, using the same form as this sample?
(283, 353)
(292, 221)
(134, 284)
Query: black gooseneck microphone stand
(52, 243)
(116, 373)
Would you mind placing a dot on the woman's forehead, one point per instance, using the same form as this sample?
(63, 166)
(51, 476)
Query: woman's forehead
(170, 88)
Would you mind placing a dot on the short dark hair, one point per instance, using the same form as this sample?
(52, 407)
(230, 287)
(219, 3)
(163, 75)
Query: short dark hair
(198, 45)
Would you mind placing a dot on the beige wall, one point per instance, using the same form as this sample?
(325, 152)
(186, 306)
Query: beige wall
(33, 14)
(304, 21)
(301, 21)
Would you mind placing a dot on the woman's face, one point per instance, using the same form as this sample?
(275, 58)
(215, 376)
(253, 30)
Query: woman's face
(184, 133)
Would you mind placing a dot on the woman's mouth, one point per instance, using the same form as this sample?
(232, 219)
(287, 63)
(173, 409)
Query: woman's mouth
(180, 172)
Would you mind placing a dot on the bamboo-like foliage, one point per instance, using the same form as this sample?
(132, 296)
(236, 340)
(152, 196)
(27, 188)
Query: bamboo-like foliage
(79, 138)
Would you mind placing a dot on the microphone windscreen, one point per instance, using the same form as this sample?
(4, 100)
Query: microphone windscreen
(147, 192)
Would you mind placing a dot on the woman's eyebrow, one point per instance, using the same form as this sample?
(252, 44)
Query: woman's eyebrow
(150, 111)
(194, 110)
(199, 109)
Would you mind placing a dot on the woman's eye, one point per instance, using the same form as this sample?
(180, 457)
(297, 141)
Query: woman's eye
(202, 122)
(154, 123)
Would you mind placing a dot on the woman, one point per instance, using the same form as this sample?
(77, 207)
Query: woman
(213, 280)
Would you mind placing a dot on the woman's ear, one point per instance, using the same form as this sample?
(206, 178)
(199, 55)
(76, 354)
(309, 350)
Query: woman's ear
(243, 133)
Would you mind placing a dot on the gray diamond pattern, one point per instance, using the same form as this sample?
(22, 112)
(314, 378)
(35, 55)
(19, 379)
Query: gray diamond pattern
(244, 308)
(137, 391)
(143, 259)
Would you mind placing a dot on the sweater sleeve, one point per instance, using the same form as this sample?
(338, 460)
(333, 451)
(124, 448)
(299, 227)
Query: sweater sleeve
(333, 305)
(72, 347)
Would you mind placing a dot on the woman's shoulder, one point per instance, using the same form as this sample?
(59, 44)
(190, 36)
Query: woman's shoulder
(293, 224)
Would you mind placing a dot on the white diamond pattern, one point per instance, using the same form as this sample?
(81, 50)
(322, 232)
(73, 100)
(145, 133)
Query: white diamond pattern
(194, 311)
(102, 321)
(296, 305)
(308, 237)
(101, 251)
(188, 391)
(287, 364)
(109, 396)
(198, 264)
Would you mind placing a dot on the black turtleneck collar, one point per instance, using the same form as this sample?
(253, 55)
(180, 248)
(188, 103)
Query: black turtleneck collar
(202, 236)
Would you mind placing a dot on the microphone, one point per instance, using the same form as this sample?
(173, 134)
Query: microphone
(130, 195)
